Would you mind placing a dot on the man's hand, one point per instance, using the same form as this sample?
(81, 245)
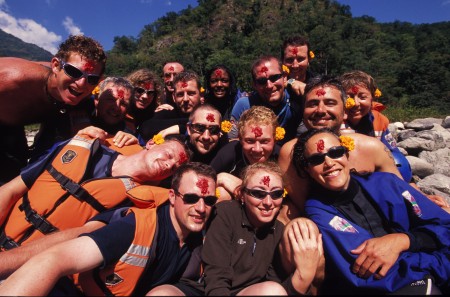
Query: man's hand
(122, 138)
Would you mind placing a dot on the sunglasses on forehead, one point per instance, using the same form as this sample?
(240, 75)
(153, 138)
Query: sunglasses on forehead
(76, 73)
(200, 128)
(190, 198)
(273, 78)
(141, 91)
(260, 194)
(334, 152)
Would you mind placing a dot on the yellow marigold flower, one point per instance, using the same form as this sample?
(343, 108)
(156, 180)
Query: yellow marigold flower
(286, 69)
(279, 133)
(96, 90)
(158, 139)
(347, 142)
(217, 193)
(311, 55)
(202, 89)
(226, 126)
(377, 93)
(285, 192)
(349, 103)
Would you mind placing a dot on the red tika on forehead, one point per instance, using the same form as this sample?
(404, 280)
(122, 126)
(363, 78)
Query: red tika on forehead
(171, 68)
(320, 92)
(120, 93)
(147, 85)
(88, 66)
(184, 84)
(320, 145)
(183, 158)
(294, 51)
(266, 180)
(257, 131)
(264, 69)
(355, 90)
(218, 72)
(210, 117)
(202, 184)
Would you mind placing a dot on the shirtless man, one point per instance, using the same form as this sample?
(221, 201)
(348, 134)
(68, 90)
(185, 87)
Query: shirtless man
(31, 93)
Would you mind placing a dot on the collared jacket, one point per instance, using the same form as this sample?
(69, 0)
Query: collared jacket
(404, 209)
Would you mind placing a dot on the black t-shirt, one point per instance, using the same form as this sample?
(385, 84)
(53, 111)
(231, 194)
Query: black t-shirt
(161, 120)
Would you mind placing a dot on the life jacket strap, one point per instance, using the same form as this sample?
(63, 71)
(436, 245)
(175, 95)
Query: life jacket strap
(6, 242)
(39, 222)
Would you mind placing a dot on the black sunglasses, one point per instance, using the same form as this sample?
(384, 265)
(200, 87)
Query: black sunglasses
(273, 78)
(141, 91)
(189, 198)
(260, 194)
(334, 152)
(76, 73)
(200, 128)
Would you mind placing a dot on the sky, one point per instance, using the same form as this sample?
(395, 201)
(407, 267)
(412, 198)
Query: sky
(47, 23)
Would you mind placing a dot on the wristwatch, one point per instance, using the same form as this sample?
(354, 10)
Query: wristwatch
(290, 81)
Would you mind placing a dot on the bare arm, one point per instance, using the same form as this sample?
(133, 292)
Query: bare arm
(228, 183)
(382, 156)
(38, 276)
(9, 194)
(12, 260)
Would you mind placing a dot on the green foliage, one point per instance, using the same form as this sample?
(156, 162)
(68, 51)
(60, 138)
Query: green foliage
(11, 46)
(410, 63)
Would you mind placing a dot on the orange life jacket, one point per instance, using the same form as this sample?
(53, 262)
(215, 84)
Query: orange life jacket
(121, 278)
(63, 197)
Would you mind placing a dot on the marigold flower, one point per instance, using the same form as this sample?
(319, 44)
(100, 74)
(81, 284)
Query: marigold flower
(347, 142)
(377, 93)
(218, 193)
(158, 139)
(202, 90)
(279, 133)
(285, 192)
(286, 69)
(349, 103)
(96, 90)
(311, 55)
(225, 126)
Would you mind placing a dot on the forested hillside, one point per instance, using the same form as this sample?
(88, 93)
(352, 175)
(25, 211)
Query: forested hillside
(411, 63)
(11, 46)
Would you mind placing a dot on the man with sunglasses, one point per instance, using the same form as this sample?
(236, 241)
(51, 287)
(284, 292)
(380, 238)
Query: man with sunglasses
(32, 92)
(137, 250)
(268, 81)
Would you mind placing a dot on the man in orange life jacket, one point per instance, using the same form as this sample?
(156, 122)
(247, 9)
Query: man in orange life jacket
(139, 248)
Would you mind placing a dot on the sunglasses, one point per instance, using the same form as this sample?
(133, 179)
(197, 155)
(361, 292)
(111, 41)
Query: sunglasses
(76, 73)
(334, 152)
(141, 91)
(189, 198)
(169, 74)
(273, 78)
(200, 128)
(260, 194)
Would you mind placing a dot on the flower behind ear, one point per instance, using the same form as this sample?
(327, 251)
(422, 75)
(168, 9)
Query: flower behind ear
(377, 93)
(279, 133)
(349, 103)
(347, 142)
(311, 55)
(286, 69)
(158, 139)
(225, 126)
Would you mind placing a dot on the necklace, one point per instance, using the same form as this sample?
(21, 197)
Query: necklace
(58, 105)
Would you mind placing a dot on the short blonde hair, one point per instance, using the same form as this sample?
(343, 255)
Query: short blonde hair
(267, 166)
(259, 115)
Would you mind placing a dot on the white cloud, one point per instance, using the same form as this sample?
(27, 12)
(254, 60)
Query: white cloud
(29, 31)
(446, 2)
(70, 27)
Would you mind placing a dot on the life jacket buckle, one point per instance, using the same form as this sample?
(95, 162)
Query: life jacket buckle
(39, 222)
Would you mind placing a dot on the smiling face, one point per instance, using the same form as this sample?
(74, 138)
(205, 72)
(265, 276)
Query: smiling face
(219, 83)
(169, 71)
(257, 142)
(71, 90)
(363, 103)
(323, 108)
(296, 58)
(262, 211)
(144, 95)
(112, 104)
(186, 95)
(163, 159)
(205, 141)
(332, 174)
(271, 92)
(191, 217)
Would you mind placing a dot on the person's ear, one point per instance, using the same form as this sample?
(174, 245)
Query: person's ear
(172, 197)
(55, 65)
(188, 129)
(149, 144)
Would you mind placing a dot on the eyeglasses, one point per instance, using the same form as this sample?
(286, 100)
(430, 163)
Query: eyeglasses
(76, 73)
(260, 194)
(169, 74)
(334, 152)
(190, 198)
(263, 80)
(141, 91)
(200, 128)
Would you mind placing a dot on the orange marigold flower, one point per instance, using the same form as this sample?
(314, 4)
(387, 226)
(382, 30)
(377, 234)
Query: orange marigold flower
(285, 192)
(217, 193)
(286, 69)
(349, 103)
(96, 90)
(347, 142)
(158, 139)
(311, 55)
(377, 93)
(226, 126)
(279, 133)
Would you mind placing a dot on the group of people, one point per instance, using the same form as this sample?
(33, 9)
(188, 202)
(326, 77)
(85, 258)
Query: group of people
(136, 186)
